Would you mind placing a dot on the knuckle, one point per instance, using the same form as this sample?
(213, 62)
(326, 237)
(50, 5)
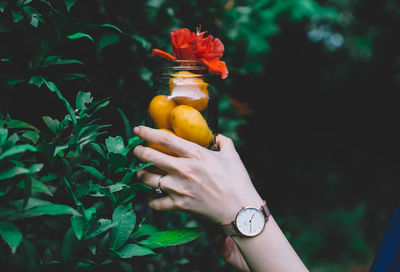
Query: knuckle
(164, 139)
(146, 153)
(187, 173)
(181, 204)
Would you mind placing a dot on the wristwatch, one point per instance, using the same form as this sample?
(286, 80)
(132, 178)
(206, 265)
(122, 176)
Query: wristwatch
(249, 222)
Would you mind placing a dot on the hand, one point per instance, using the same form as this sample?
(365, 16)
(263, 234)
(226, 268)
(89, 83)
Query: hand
(212, 184)
(230, 252)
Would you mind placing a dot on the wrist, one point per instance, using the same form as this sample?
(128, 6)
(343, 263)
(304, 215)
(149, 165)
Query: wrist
(253, 199)
(249, 221)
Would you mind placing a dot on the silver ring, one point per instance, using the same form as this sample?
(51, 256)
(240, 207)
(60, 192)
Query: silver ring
(158, 189)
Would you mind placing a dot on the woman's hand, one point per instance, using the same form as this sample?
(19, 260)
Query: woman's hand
(212, 184)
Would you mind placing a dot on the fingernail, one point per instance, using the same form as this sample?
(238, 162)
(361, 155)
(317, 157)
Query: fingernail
(136, 130)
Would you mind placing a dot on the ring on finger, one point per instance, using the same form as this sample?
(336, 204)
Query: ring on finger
(158, 189)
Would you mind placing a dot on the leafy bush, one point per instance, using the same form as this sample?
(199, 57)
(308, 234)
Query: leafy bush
(68, 192)
(65, 182)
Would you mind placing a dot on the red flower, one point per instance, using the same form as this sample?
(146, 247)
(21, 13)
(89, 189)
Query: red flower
(187, 45)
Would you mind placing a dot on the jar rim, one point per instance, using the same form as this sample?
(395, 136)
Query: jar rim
(189, 65)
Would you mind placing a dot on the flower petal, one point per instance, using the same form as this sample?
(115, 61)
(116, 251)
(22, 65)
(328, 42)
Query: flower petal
(209, 48)
(217, 67)
(163, 54)
(182, 42)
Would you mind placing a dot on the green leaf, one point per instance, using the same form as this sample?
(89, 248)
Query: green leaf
(59, 148)
(36, 80)
(127, 125)
(69, 245)
(80, 35)
(17, 149)
(86, 188)
(93, 171)
(19, 170)
(134, 141)
(23, 2)
(50, 209)
(52, 87)
(121, 232)
(81, 27)
(83, 98)
(37, 186)
(117, 160)
(31, 135)
(3, 135)
(11, 235)
(111, 26)
(13, 82)
(96, 147)
(19, 124)
(72, 76)
(17, 16)
(107, 40)
(69, 3)
(52, 124)
(103, 225)
(29, 255)
(145, 230)
(116, 145)
(131, 250)
(3, 5)
(57, 60)
(170, 238)
(78, 224)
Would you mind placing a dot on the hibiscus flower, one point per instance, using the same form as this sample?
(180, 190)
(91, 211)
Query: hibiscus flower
(187, 45)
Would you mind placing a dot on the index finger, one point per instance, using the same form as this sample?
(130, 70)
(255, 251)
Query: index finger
(172, 142)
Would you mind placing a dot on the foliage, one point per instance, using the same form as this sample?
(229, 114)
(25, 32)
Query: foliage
(64, 182)
(67, 193)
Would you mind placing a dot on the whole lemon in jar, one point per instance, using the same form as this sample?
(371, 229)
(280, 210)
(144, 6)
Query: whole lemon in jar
(189, 124)
(187, 88)
(160, 108)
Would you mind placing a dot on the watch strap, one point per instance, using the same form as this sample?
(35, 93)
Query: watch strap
(230, 229)
(266, 211)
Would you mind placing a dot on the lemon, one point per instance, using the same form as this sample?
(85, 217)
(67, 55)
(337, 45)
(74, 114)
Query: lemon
(160, 108)
(189, 124)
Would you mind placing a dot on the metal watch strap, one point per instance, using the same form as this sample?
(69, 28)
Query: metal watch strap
(230, 228)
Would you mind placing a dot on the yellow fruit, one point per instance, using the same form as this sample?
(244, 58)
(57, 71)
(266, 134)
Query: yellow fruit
(189, 124)
(161, 148)
(160, 109)
(187, 88)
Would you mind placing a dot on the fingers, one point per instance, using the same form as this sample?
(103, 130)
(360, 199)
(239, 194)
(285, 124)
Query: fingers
(161, 160)
(174, 143)
(151, 179)
(162, 204)
(224, 143)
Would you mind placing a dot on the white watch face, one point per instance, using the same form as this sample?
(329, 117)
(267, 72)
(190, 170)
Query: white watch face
(250, 221)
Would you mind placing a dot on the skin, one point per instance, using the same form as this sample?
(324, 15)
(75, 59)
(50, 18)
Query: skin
(214, 185)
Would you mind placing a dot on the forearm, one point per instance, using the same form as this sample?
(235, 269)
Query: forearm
(269, 251)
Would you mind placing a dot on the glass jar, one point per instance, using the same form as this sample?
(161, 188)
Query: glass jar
(184, 103)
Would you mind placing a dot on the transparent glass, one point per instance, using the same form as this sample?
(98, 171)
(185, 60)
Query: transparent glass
(183, 102)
